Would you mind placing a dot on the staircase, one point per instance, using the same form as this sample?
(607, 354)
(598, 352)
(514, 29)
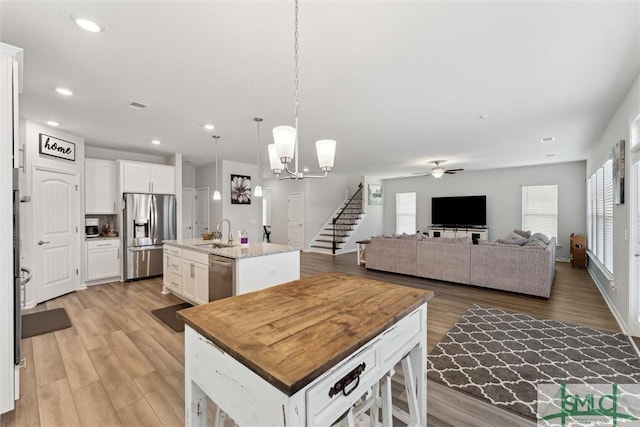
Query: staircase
(338, 229)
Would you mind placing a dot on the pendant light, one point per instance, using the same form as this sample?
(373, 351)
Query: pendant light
(257, 191)
(216, 193)
(284, 150)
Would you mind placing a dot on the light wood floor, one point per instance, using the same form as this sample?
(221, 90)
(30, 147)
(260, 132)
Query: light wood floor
(119, 365)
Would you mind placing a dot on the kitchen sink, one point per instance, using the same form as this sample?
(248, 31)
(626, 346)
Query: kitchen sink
(215, 245)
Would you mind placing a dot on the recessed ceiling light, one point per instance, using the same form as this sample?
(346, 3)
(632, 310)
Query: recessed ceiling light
(209, 126)
(548, 139)
(483, 116)
(155, 141)
(88, 25)
(64, 91)
(53, 123)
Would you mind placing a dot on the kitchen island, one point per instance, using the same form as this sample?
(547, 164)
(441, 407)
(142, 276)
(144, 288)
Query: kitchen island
(302, 353)
(200, 270)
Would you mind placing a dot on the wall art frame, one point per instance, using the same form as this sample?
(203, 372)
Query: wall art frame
(240, 189)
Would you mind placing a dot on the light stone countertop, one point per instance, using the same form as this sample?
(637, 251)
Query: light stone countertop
(89, 239)
(235, 251)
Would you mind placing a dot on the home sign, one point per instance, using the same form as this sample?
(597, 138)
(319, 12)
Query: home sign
(55, 147)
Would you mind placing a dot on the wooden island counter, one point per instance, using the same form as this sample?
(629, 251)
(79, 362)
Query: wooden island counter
(302, 353)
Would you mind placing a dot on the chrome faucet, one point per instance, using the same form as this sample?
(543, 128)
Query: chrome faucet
(230, 241)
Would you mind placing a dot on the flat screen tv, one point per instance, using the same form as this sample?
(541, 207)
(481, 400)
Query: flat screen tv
(464, 211)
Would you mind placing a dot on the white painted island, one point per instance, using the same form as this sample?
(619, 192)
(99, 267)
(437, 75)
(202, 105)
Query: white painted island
(186, 267)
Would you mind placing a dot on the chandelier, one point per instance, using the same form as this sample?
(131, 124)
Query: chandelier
(284, 150)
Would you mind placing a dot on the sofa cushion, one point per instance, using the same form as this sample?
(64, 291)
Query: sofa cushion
(525, 234)
(536, 243)
(394, 255)
(443, 261)
(541, 237)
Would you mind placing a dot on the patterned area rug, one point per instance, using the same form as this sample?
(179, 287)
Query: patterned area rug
(501, 356)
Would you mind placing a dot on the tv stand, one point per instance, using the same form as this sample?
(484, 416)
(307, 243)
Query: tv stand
(474, 233)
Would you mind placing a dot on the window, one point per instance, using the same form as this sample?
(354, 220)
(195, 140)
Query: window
(405, 213)
(540, 209)
(600, 215)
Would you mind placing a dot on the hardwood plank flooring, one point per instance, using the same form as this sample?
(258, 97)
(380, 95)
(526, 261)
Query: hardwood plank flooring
(119, 365)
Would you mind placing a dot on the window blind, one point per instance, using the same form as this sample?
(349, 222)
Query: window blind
(405, 213)
(608, 215)
(600, 215)
(589, 215)
(540, 209)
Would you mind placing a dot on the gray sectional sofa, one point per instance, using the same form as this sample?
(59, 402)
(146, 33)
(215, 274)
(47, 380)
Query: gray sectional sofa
(526, 269)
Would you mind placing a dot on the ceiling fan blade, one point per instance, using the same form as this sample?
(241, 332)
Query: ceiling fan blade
(421, 173)
(454, 170)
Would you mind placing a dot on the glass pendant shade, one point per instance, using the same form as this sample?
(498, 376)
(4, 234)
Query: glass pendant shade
(437, 172)
(274, 159)
(257, 191)
(216, 195)
(285, 140)
(326, 150)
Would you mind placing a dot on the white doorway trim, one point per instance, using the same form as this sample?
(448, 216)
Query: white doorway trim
(202, 211)
(189, 213)
(295, 220)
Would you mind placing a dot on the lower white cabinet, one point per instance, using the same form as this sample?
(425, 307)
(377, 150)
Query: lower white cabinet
(172, 269)
(195, 281)
(186, 274)
(103, 260)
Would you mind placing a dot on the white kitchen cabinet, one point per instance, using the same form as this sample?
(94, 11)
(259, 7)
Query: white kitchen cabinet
(103, 260)
(172, 269)
(140, 177)
(100, 186)
(195, 276)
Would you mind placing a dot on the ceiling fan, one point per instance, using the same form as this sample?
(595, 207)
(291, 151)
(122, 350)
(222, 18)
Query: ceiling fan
(438, 171)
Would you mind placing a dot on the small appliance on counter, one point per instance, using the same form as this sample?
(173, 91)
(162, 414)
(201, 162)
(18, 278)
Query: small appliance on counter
(91, 227)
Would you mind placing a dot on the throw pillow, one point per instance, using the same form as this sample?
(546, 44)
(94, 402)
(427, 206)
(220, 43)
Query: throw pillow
(541, 237)
(536, 243)
(525, 234)
(520, 242)
(512, 236)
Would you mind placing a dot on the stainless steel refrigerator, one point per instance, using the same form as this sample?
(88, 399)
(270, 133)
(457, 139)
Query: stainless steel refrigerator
(148, 220)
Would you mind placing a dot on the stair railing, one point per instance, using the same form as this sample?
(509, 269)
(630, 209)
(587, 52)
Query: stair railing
(337, 217)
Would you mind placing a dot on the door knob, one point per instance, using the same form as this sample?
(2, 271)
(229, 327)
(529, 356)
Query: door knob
(40, 243)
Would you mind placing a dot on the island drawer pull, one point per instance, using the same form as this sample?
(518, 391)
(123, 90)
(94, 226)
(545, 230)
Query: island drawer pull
(341, 385)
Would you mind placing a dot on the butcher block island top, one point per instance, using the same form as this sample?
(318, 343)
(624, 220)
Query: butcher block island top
(292, 333)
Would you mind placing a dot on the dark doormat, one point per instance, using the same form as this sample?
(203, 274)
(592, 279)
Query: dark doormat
(44, 322)
(168, 316)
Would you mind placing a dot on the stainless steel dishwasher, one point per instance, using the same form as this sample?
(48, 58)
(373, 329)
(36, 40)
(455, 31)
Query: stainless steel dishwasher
(221, 277)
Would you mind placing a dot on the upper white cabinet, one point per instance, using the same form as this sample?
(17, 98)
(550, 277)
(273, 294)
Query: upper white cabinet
(140, 177)
(100, 186)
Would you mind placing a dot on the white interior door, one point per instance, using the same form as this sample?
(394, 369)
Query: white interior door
(202, 210)
(188, 213)
(56, 231)
(295, 219)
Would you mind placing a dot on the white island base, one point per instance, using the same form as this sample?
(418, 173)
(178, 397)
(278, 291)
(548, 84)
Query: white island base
(258, 266)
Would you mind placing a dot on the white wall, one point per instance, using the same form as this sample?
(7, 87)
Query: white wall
(188, 176)
(109, 154)
(617, 129)
(322, 197)
(503, 190)
(373, 222)
(240, 216)
(29, 134)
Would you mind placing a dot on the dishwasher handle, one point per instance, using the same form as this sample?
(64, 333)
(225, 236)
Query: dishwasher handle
(220, 262)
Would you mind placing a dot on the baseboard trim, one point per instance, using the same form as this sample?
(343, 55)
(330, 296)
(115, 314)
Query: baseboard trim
(616, 314)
